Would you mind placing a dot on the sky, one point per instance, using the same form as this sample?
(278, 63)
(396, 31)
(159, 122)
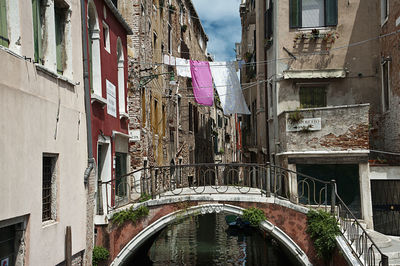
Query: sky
(221, 22)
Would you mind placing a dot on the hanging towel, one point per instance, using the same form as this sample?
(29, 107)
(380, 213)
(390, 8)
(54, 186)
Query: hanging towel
(183, 68)
(228, 88)
(202, 82)
(169, 60)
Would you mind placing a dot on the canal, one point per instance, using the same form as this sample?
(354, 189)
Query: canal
(207, 240)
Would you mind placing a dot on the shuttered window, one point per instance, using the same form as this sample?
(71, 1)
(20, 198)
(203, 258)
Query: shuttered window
(3, 24)
(311, 97)
(37, 30)
(313, 13)
(59, 23)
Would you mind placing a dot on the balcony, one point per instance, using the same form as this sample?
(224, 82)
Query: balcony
(326, 129)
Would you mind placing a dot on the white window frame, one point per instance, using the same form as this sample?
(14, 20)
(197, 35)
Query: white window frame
(106, 36)
(384, 18)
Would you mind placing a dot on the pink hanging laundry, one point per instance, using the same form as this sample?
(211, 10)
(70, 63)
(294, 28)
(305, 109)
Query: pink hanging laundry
(202, 82)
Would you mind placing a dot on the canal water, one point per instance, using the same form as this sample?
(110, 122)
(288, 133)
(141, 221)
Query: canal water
(207, 240)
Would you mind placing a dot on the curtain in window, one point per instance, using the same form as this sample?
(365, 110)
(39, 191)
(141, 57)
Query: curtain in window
(312, 13)
(3, 24)
(59, 39)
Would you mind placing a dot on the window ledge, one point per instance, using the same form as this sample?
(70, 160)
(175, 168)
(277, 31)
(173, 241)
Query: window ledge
(55, 74)
(49, 223)
(320, 29)
(123, 115)
(97, 98)
(11, 52)
(384, 21)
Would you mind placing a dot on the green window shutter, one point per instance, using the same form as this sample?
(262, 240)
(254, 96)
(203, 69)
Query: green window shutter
(3, 24)
(295, 13)
(37, 30)
(59, 39)
(331, 12)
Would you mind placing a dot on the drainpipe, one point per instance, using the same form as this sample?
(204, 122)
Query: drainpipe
(87, 94)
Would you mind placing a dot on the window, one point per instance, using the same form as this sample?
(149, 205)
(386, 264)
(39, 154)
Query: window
(164, 119)
(59, 15)
(268, 17)
(120, 171)
(106, 37)
(190, 117)
(169, 39)
(121, 78)
(385, 85)
(154, 40)
(384, 11)
(49, 187)
(115, 3)
(311, 97)
(143, 107)
(37, 29)
(11, 240)
(313, 13)
(4, 41)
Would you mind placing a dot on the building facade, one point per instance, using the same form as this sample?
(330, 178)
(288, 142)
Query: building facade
(320, 67)
(167, 126)
(44, 143)
(108, 75)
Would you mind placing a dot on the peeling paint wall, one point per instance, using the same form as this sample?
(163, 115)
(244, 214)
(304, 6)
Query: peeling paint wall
(342, 129)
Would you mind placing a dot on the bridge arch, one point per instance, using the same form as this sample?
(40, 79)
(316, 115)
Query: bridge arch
(162, 222)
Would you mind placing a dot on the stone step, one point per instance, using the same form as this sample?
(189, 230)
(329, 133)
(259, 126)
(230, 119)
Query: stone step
(381, 240)
(394, 262)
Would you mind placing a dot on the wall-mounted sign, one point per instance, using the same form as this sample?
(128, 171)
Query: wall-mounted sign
(111, 99)
(134, 135)
(310, 124)
(5, 262)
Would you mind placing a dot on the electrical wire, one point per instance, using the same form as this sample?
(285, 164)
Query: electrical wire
(265, 62)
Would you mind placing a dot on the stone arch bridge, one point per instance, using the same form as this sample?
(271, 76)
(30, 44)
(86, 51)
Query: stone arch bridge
(284, 196)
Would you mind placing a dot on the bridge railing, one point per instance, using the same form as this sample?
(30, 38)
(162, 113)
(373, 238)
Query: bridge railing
(354, 233)
(238, 178)
(210, 178)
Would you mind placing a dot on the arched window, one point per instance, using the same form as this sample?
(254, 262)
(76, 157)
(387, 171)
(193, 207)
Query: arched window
(121, 78)
(94, 50)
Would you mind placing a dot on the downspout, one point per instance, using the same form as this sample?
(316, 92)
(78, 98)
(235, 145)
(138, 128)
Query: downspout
(87, 94)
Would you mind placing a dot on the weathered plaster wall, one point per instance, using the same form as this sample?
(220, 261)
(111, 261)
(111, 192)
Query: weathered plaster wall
(30, 99)
(342, 128)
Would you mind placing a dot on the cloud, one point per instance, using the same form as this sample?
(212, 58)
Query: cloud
(221, 21)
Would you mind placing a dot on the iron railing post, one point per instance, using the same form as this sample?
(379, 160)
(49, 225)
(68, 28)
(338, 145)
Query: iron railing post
(333, 196)
(385, 260)
(268, 181)
(153, 183)
(144, 182)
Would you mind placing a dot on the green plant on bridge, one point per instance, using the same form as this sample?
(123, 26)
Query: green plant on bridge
(323, 229)
(144, 197)
(253, 215)
(130, 214)
(100, 254)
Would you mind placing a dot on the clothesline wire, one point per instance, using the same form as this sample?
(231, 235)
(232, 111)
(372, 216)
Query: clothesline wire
(264, 62)
(225, 94)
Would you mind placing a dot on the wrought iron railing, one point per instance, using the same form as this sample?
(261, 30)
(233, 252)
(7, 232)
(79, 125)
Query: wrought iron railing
(353, 232)
(238, 178)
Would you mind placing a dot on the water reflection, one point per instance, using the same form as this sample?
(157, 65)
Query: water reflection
(207, 240)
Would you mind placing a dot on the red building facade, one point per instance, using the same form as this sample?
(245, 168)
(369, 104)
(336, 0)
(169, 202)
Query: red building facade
(107, 45)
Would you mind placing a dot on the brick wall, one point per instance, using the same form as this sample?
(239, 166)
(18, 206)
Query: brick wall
(342, 128)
